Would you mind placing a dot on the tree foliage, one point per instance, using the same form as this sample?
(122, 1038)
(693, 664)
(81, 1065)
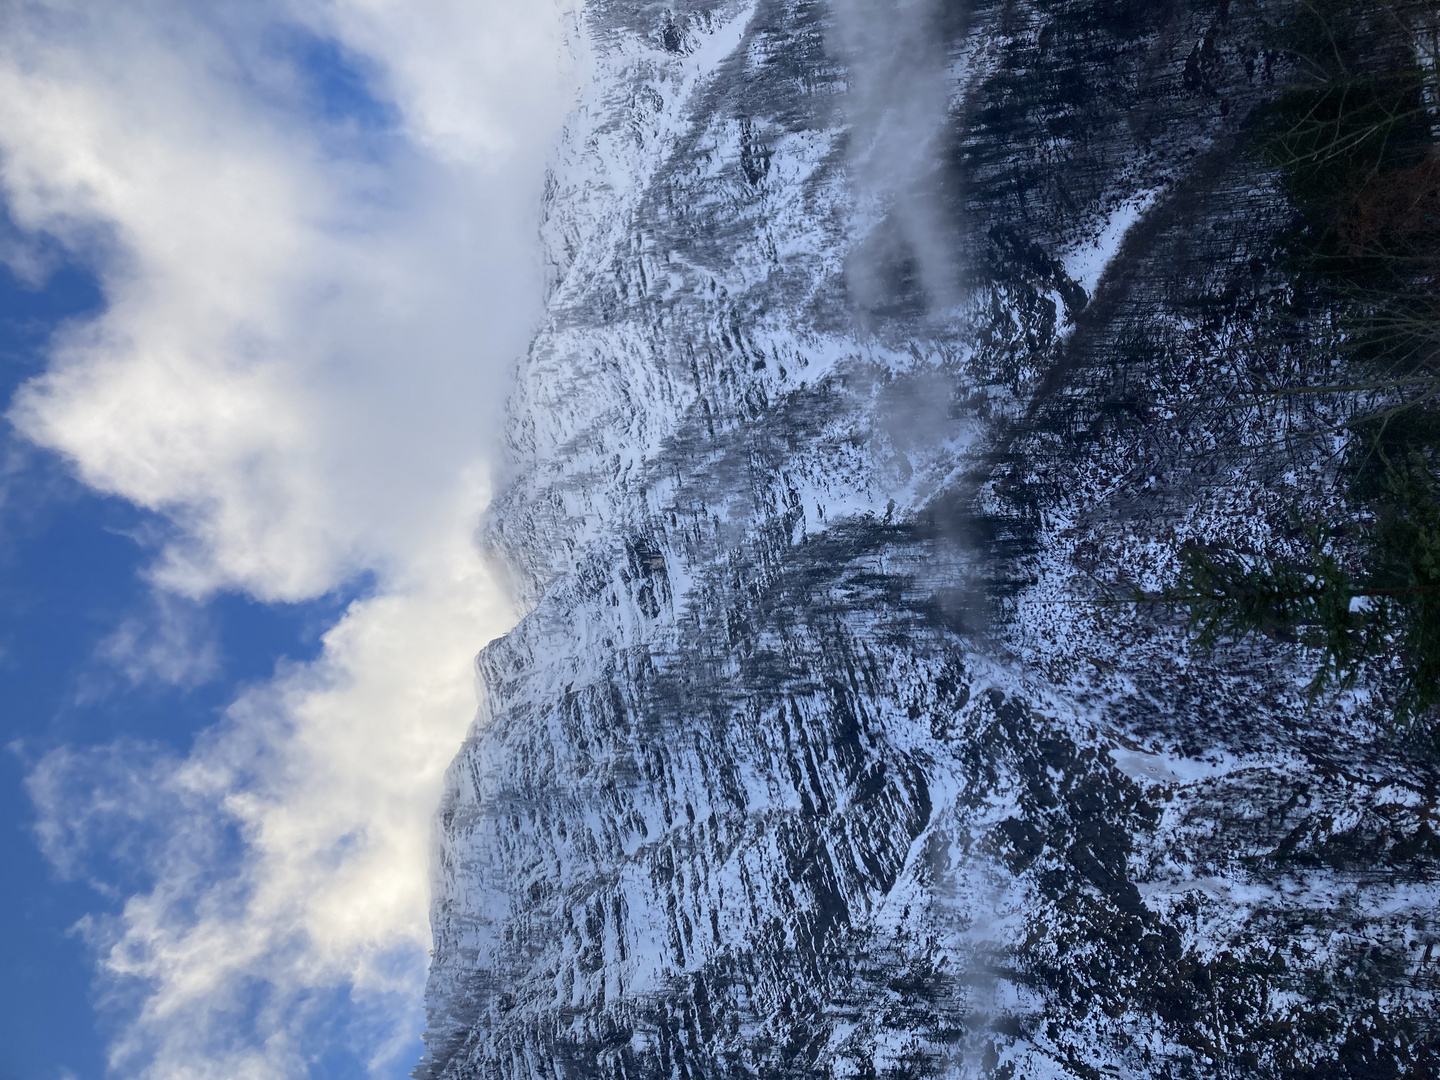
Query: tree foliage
(1354, 137)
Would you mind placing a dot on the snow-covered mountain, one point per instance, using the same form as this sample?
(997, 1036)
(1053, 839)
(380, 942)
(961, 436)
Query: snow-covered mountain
(885, 342)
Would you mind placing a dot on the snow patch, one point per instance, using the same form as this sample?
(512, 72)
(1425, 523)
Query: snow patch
(1086, 263)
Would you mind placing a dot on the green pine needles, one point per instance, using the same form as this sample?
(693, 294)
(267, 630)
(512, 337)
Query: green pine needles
(1355, 139)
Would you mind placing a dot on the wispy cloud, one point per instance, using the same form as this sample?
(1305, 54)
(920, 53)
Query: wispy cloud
(309, 318)
(287, 857)
(173, 642)
(898, 100)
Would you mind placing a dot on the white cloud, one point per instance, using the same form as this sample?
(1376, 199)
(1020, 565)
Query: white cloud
(328, 776)
(897, 103)
(282, 324)
(463, 72)
(173, 642)
(301, 363)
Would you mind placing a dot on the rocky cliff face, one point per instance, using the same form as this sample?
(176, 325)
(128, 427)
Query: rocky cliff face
(870, 372)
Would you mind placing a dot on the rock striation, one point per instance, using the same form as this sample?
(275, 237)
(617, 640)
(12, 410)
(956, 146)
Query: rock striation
(887, 346)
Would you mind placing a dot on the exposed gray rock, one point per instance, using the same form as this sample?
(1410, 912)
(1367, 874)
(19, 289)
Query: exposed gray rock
(820, 752)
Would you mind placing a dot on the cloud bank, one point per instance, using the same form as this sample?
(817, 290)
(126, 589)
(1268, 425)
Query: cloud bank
(313, 222)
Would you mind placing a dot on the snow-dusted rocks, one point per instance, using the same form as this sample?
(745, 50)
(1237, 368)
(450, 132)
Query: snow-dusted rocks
(820, 752)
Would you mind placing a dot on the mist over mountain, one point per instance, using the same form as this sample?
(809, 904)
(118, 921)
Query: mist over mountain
(895, 356)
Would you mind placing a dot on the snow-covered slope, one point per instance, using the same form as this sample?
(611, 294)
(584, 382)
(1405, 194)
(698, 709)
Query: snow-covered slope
(819, 752)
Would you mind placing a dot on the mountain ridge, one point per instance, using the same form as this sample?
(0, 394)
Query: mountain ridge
(823, 749)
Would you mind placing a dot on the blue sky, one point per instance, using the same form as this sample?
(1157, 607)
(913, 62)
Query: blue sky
(70, 574)
(59, 569)
(264, 269)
